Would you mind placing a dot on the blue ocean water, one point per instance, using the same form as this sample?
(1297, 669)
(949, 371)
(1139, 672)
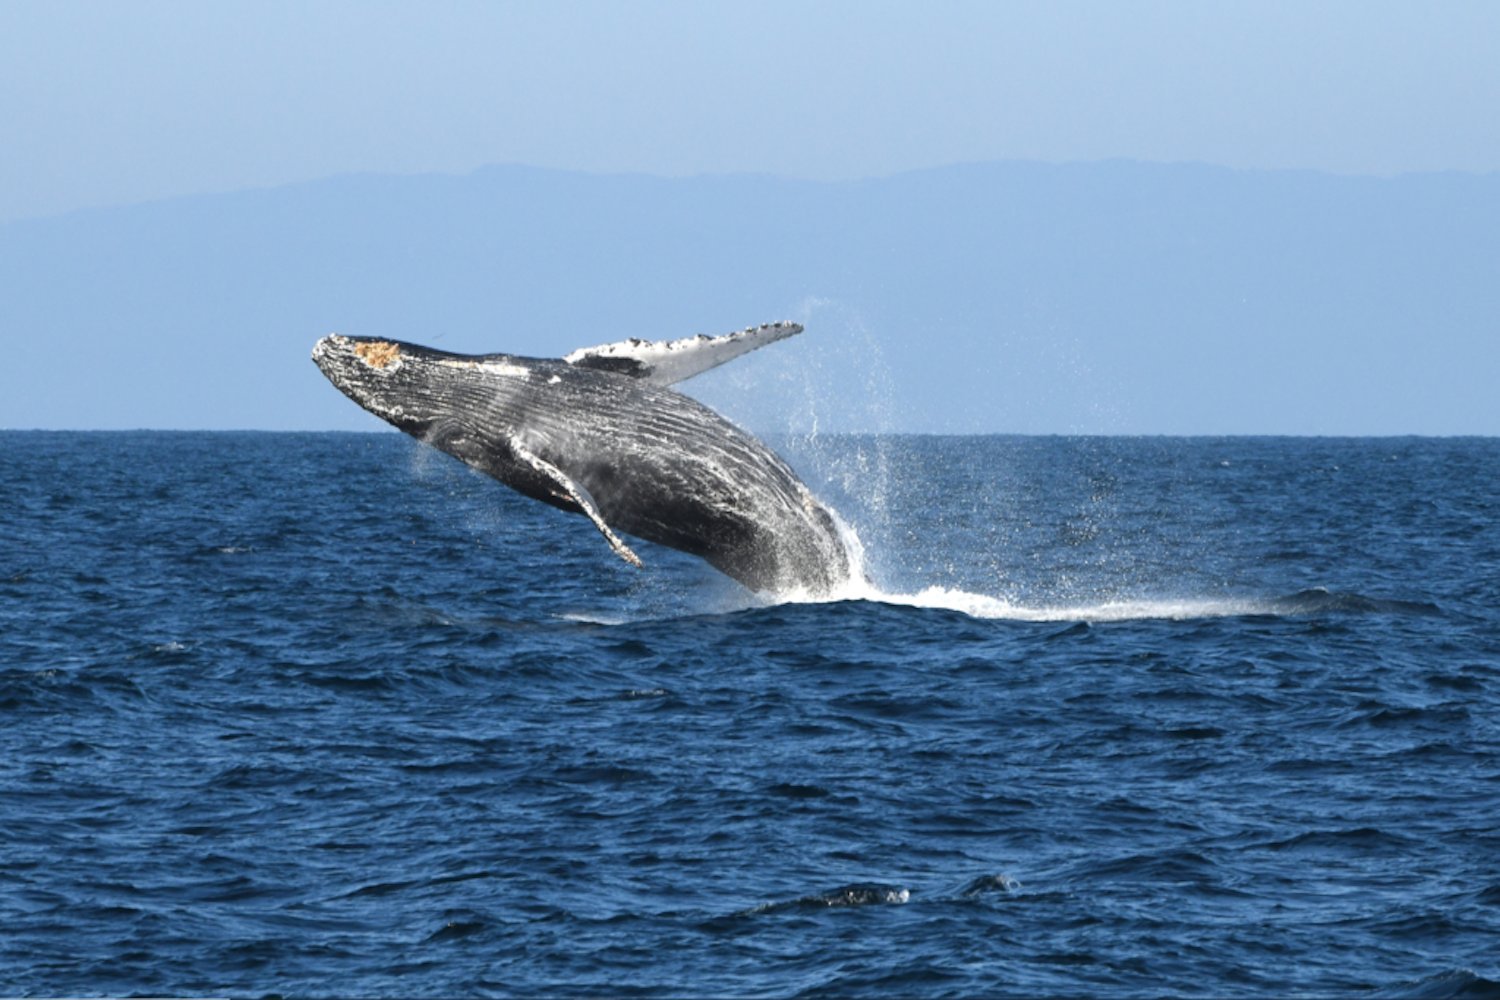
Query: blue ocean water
(323, 714)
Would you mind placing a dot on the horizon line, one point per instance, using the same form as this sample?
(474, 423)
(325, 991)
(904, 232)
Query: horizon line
(269, 186)
(1293, 435)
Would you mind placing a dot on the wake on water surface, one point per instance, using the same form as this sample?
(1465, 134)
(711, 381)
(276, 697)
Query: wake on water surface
(1316, 601)
(860, 587)
(936, 597)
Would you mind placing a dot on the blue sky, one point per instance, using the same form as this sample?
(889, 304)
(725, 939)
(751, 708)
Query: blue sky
(109, 103)
(1354, 299)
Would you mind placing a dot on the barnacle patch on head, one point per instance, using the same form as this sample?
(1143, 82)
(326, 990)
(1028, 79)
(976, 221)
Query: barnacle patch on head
(377, 353)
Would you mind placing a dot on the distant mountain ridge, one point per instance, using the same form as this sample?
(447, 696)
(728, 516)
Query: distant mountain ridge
(1110, 297)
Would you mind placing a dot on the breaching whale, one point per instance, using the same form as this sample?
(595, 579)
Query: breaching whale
(600, 433)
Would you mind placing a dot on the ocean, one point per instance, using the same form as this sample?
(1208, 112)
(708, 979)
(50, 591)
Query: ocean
(329, 714)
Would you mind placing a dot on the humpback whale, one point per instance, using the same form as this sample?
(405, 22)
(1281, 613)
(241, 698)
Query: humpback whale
(601, 433)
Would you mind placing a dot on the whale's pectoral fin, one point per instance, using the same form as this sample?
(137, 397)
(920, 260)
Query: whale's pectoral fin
(663, 362)
(581, 497)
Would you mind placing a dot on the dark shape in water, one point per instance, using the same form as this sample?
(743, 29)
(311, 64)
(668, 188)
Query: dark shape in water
(854, 894)
(600, 433)
(1318, 600)
(986, 885)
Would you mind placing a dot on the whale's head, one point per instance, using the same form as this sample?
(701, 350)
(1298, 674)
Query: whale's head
(417, 389)
(391, 379)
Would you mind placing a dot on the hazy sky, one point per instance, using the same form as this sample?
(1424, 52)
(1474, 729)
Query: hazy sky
(104, 103)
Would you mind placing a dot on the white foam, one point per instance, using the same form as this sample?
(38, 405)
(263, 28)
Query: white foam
(588, 618)
(859, 587)
(975, 605)
(987, 606)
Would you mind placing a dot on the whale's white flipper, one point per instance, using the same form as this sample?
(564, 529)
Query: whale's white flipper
(581, 497)
(664, 362)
